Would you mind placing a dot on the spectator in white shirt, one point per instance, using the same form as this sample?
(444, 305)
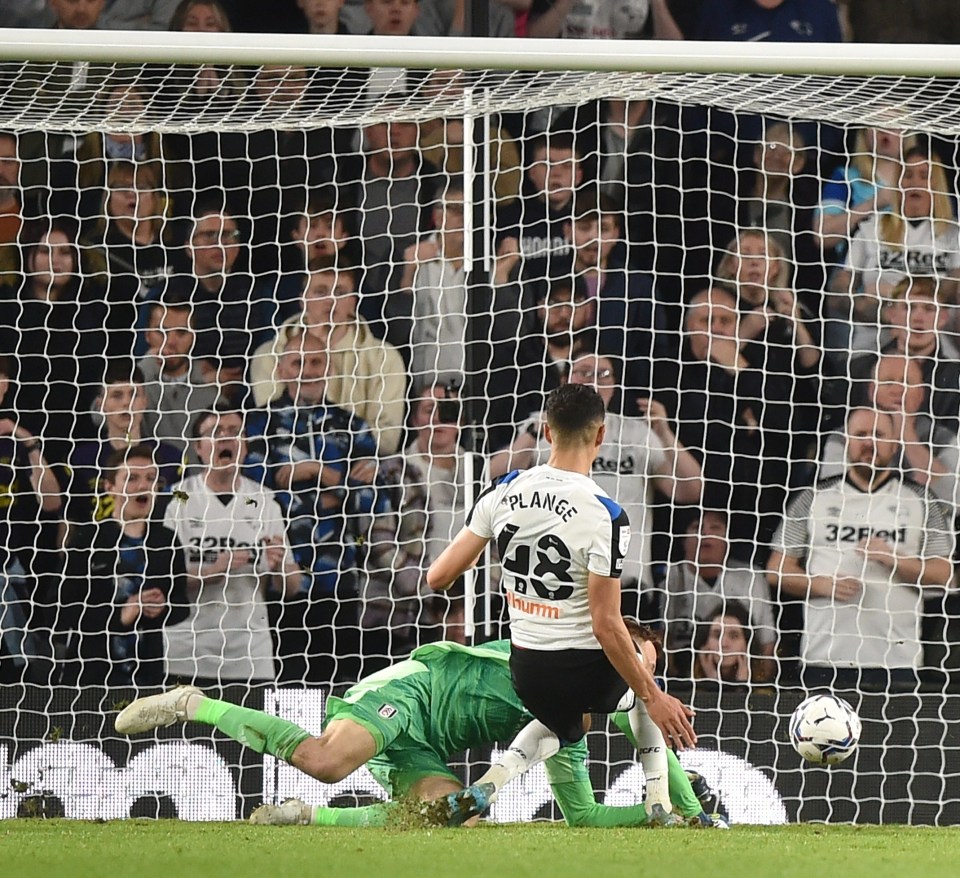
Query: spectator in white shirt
(234, 536)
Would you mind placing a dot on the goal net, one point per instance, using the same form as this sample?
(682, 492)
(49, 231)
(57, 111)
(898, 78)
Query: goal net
(274, 314)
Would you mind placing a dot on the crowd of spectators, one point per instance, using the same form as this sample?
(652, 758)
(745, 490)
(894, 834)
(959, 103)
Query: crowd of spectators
(871, 21)
(249, 379)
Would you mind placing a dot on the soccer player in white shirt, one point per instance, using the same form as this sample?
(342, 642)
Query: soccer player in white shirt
(234, 536)
(561, 541)
(862, 549)
(637, 456)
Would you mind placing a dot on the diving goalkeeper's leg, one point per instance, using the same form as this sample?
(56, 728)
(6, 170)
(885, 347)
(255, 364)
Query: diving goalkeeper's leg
(648, 739)
(342, 748)
(297, 812)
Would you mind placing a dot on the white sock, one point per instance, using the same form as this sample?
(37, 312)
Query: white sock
(652, 750)
(533, 744)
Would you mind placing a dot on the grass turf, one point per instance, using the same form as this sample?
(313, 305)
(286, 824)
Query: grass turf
(171, 849)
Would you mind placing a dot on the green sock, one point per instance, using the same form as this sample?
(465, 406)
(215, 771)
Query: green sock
(681, 793)
(252, 728)
(366, 815)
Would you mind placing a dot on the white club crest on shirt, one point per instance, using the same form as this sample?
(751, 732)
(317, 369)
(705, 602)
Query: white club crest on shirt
(624, 540)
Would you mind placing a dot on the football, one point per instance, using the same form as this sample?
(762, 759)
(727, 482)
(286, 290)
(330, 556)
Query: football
(824, 729)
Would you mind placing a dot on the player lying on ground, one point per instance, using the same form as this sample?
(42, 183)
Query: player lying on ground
(404, 723)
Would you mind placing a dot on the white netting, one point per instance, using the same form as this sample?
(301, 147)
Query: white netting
(756, 253)
(80, 95)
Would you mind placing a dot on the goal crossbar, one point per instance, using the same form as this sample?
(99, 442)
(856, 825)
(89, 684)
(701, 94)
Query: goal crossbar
(475, 53)
(830, 83)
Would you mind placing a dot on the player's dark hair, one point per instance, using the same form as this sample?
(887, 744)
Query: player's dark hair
(639, 631)
(573, 413)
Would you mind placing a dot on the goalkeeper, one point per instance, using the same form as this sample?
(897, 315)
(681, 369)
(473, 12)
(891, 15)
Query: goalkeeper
(404, 723)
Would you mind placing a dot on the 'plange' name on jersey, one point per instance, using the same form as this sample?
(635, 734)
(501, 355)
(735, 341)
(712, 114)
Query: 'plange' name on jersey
(560, 506)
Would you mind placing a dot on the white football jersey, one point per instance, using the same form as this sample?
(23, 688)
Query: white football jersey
(553, 528)
(923, 254)
(631, 455)
(227, 635)
(824, 524)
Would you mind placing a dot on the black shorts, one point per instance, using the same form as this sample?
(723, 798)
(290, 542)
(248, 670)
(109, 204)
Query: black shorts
(559, 686)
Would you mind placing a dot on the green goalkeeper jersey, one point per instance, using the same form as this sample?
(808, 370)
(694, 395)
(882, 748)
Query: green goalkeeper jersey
(448, 697)
(474, 676)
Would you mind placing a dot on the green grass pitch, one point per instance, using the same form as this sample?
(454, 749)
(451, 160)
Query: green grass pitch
(171, 849)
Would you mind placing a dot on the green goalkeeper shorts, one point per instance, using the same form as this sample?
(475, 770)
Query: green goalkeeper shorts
(394, 705)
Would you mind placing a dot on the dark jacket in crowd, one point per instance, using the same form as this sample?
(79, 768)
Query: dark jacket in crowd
(57, 350)
(103, 568)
